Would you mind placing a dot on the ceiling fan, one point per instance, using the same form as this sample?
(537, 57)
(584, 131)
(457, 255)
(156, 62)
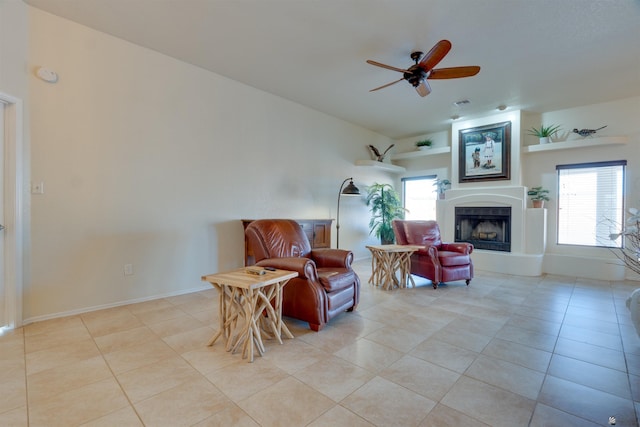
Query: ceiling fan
(423, 69)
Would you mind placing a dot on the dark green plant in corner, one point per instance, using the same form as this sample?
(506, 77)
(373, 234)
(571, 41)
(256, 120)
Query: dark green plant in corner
(385, 206)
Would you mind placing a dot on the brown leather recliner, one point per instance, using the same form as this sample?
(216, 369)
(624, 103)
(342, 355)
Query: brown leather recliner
(437, 261)
(326, 284)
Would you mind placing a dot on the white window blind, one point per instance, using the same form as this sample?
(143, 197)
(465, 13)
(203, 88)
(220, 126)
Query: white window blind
(590, 203)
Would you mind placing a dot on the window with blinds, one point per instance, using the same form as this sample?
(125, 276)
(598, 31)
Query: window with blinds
(590, 203)
(419, 197)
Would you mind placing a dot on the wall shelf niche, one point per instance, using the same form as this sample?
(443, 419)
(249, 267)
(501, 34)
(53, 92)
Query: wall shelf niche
(579, 143)
(380, 165)
(421, 153)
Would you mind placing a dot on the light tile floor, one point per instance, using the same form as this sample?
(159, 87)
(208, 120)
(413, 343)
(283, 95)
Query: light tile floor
(505, 351)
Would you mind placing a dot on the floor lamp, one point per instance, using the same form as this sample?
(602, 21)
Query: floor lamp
(349, 190)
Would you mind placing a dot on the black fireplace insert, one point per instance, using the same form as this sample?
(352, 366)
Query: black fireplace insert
(484, 227)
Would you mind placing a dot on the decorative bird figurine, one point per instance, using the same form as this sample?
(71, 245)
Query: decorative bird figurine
(587, 132)
(380, 157)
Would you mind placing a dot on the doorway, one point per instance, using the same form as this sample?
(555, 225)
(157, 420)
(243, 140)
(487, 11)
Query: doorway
(11, 237)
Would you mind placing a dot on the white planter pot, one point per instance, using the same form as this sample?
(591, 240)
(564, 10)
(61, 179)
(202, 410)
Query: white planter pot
(545, 140)
(424, 147)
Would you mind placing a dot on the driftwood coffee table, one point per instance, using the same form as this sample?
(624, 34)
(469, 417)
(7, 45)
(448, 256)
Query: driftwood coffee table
(390, 261)
(250, 307)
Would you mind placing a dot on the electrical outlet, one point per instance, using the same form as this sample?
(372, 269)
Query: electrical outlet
(128, 269)
(37, 187)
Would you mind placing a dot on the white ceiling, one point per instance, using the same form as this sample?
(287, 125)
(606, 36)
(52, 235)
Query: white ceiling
(536, 55)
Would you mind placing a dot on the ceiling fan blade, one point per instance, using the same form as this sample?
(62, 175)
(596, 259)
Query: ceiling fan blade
(435, 55)
(423, 88)
(387, 85)
(388, 67)
(454, 72)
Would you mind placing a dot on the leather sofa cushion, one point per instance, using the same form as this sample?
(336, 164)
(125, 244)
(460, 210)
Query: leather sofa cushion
(334, 279)
(451, 259)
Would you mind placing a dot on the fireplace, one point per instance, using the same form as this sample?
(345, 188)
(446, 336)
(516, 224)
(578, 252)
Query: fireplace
(485, 227)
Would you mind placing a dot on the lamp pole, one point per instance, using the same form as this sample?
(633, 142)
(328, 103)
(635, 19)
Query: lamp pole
(349, 190)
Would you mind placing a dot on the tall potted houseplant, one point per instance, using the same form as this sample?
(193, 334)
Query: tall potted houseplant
(538, 196)
(385, 206)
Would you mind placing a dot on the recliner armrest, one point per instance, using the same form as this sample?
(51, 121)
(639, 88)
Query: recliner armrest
(327, 258)
(305, 267)
(462, 247)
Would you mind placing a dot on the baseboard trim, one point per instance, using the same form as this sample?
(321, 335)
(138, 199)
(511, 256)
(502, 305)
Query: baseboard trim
(112, 305)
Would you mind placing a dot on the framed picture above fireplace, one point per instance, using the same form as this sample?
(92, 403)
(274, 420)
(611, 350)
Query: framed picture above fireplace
(485, 153)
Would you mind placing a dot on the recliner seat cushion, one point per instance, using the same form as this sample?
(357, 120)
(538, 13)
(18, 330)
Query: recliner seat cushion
(334, 279)
(451, 259)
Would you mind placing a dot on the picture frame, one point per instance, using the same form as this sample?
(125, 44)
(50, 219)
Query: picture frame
(484, 153)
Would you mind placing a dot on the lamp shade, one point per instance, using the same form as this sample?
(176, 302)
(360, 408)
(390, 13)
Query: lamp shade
(351, 190)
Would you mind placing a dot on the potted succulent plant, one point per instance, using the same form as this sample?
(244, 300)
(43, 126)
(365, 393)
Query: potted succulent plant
(385, 206)
(424, 144)
(538, 196)
(544, 133)
(441, 186)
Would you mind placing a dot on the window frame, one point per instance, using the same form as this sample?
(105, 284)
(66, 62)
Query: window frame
(588, 165)
(404, 180)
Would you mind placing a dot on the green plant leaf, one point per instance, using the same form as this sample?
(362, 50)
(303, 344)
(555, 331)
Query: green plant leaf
(385, 206)
(544, 132)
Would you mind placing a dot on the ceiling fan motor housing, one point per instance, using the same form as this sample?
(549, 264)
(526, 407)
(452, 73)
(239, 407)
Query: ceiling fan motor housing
(414, 75)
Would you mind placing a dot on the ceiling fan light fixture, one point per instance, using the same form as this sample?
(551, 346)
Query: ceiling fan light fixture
(424, 68)
(501, 107)
(455, 117)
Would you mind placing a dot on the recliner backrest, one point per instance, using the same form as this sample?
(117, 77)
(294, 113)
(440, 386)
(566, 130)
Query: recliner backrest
(398, 230)
(277, 238)
(424, 233)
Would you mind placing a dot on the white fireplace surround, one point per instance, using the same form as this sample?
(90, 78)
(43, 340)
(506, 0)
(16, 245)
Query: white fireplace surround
(528, 228)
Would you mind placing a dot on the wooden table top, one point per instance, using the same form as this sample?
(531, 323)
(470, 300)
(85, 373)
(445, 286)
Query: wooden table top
(241, 279)
(395, 248)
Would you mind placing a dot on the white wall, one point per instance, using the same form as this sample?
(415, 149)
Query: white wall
(150, 161)
(13, 48)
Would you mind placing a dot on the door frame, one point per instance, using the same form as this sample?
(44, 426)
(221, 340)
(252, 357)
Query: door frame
(13, 209)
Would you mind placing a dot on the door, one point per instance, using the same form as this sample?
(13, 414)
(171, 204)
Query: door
(11, 240)
(4, 321)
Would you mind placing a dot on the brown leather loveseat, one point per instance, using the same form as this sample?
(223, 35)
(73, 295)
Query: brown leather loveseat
(326, 284)
(437, 261)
